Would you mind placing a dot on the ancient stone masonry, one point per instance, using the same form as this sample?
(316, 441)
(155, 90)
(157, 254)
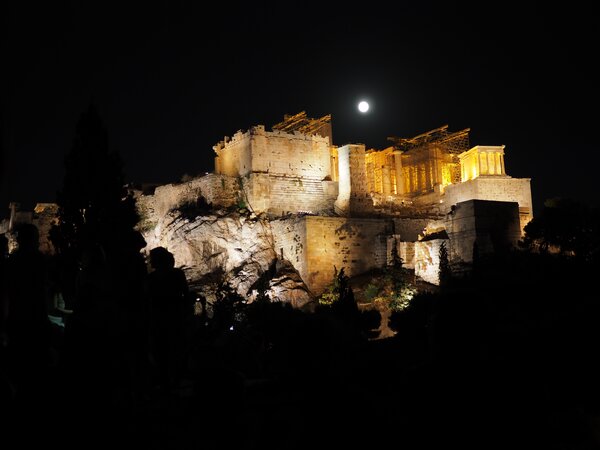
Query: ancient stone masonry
(317, 206)
(317, 245)
(290, 206)
(281, 171)
(497, 188)
(481, 226)
(428, 162)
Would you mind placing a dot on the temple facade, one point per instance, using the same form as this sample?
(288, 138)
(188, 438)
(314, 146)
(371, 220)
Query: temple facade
(296, 168)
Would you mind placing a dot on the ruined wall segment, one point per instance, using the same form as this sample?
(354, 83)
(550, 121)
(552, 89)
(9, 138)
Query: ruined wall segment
(481, 226)
(280, 171)
(358, 245)
(316, 245)
(234, 155)
(427, 259)
(497, 188)
(276, 153)
(409, 228)
(353, 186)
(216, 190)
(280, 195)
(289, 241)
(290, 154)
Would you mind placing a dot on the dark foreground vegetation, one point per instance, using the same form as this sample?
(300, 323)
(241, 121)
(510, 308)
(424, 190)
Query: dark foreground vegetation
(505, 358)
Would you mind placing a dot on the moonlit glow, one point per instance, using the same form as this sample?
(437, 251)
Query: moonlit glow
(363, 107)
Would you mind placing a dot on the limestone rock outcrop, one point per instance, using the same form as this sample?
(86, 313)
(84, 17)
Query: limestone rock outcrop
(227, 248)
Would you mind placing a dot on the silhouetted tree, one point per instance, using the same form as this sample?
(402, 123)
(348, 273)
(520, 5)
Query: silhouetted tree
(338, 292)
(95, 207)
(396, 286)
(396, 259)
(94, 204)
(565, 226)
(445, 273)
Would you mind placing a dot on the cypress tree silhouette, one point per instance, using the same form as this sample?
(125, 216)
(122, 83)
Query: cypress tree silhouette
(94, 204)
(445, 272)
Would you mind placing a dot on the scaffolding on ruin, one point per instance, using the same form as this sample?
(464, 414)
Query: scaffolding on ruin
(432, 157)
(303, 124)
(450, 142)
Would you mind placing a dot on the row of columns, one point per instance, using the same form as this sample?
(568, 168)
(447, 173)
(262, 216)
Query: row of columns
(386, 174)
(425, 176)
(493, 161)
(399, 172)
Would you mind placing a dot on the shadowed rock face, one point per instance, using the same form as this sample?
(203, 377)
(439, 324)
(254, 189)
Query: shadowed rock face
(287, 285)
(227, 248)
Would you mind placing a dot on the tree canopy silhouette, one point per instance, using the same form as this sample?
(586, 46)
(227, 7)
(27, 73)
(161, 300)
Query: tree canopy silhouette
(94, 204)
(565, 226)
(444, 271)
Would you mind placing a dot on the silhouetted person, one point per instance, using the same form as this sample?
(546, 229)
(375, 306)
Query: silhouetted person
(3, 285)
(169, 308)
(90, 333)
(27, 326)
(3, 246)
(128, 272)
(6, 387)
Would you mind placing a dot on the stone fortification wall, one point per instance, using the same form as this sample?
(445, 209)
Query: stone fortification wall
(493, 225)
(315, 245)
(282, 172)
(233, 155)
(218, 190)
(290, 154)
(503, 189)
(279, 195)
(358, 245)
(289, 240)
(277, 153)
(409, 228)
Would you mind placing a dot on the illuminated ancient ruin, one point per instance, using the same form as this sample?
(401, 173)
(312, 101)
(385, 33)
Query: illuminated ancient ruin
(327, 206)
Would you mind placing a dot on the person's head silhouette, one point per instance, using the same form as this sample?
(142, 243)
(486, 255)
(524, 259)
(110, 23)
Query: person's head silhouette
(28, 237)
(161, 259)
(3, 245)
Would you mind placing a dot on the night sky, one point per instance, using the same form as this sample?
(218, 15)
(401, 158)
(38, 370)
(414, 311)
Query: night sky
(171, 79)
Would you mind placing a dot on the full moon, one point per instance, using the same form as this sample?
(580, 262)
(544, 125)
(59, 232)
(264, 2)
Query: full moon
(363, 107)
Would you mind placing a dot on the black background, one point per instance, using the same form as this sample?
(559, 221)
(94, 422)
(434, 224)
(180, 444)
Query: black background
(171, 79)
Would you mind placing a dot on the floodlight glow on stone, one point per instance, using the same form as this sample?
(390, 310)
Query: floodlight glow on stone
(363, 107)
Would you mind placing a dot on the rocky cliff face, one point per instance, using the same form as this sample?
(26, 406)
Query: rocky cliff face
(225, 247)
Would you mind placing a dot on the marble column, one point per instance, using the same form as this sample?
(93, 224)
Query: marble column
(387, 185)
(399, 172)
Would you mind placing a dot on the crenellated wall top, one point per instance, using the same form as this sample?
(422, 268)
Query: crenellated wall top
(259, 130)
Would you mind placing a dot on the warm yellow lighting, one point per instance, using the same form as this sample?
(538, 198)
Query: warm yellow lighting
(482, 160)
(469, 162)
(446, 175)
